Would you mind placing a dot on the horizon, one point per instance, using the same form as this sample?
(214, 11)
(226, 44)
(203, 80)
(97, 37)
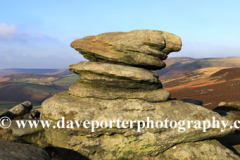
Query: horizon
(35, 32)
(87, 60)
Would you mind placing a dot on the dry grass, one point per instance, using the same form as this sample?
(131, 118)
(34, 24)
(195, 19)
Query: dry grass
(2, 79)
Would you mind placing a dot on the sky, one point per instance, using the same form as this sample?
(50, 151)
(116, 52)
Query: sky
(37, 34)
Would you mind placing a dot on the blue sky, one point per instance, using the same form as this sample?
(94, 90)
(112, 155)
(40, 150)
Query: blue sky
(37, 34)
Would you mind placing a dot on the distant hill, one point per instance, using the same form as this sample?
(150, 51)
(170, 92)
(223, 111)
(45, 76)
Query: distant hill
(32, 77)
(193, 77)
(19, 92)
(180, 65)
(211, 85)
(59, 72)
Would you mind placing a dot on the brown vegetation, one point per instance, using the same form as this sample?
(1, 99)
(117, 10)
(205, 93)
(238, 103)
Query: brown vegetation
(208, 85)
(3, 79)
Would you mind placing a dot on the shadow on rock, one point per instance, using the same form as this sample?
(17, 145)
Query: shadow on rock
(58, 153)
(231, 140)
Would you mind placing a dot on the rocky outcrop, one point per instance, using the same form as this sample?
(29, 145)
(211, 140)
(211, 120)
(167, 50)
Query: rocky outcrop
(117, 85)
(19, 151)
(105, 142)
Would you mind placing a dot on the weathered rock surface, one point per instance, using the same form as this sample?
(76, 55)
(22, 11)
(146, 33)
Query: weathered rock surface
(84, 91)
(103, 143)
(19, 151)
(22, 108)
(119, 84)
(222, 104)
(210, 149)
(114, 71)
(104, 75)
(142, 48)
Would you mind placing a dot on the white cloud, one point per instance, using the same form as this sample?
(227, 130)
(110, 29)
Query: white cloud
(33, 49)
(7, 31)
(12, 33)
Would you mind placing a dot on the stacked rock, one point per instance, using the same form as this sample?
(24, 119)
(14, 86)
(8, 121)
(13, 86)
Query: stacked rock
(117, 84)
(119, 62)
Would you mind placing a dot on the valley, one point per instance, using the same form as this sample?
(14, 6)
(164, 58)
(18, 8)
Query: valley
(17, 88)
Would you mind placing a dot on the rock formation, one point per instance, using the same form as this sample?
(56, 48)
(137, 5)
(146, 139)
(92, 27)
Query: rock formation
(117, 84)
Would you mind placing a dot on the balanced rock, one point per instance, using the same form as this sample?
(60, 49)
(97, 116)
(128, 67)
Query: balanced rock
(141, 48)
(116, 85)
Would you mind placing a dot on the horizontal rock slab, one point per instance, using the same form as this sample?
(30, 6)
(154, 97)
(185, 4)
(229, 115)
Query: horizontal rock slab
(115, 71)
(114, 84)
(210, 149)
(19, 151)
(142, 48)
(114, 75)
(84, 91)
(113, 142)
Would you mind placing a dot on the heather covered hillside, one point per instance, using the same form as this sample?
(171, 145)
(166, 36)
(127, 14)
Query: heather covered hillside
(211, 85)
